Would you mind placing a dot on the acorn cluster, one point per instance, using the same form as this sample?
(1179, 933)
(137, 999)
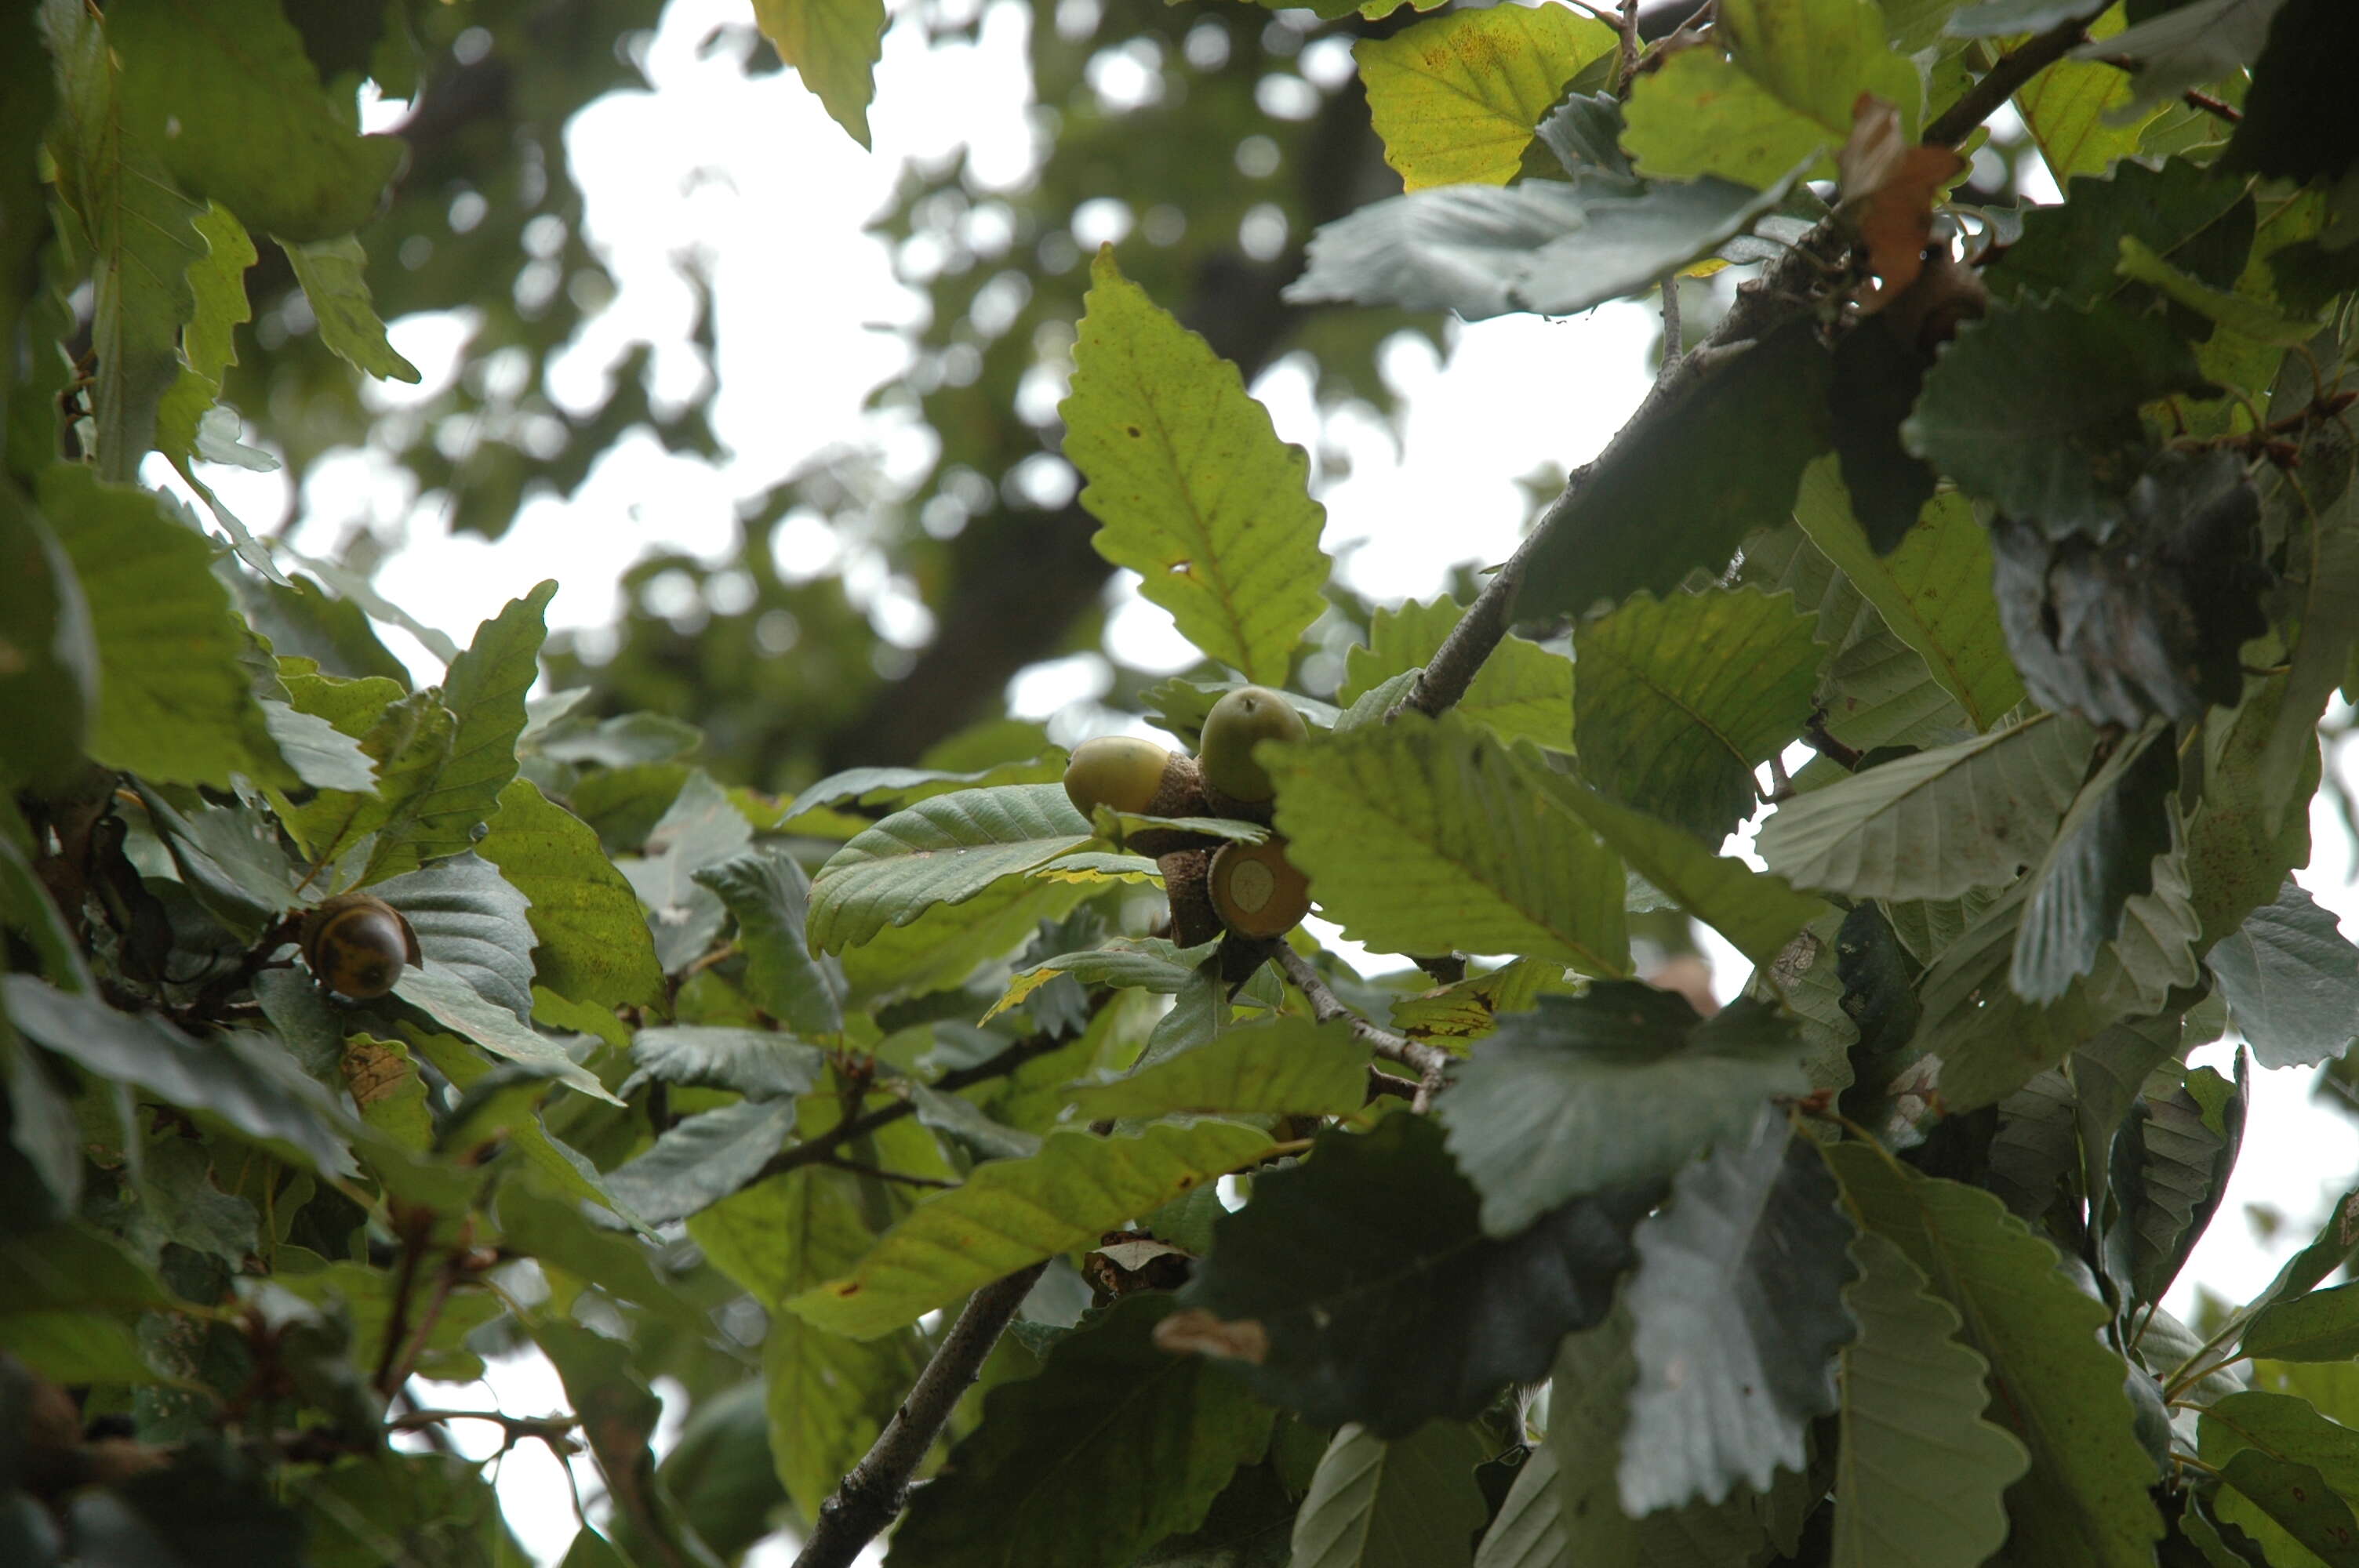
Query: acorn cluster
(1251, 891)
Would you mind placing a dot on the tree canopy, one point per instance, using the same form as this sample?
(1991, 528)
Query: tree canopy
(966, 1130)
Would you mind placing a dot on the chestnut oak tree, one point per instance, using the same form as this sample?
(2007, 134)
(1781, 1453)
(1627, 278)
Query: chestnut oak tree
(970, 1144)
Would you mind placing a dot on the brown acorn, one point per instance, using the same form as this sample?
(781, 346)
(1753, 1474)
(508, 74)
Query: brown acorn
(1256, 891)
(356, 945)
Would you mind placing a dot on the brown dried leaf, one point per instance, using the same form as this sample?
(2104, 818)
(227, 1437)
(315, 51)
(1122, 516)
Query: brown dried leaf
(1889, 187)
(1194, 1329)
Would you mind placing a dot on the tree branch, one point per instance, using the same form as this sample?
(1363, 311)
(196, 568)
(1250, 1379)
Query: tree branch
(1789, 287)
(1429, 1063)
(878, 1486)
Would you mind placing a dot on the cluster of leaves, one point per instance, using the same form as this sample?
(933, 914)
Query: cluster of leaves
(1866, 1267)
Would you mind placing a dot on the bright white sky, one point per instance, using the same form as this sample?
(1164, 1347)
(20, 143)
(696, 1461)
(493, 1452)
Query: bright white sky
(749, 180)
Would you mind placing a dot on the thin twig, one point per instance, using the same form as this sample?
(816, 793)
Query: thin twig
(872, 1494)
(1789, 289)
(2213, 106)
(1429, 1063)
(549, 1429)
(821, 1150)
(1997, 85)
(837, 1162)
(1672, 329)
(1629, 31)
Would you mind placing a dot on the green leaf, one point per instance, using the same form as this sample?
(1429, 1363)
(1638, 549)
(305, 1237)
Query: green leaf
(1738, 1316)
(1423, 838)
(2070, 250)
(943, 946)
(1921, 1476)
(1651, 513)
(2291, 979)
(470, 922)
(1409, 1503)
(827, 1396)
(140, 229)
(766, 891)
(485, 692)
(1011, 1213)
(1189, 483)
(406, 1508)
(618, 1414)
(589, 943)
(702, 1159)
(833, 45)
(1556, 248)
(700, 829)
(1456, 98)
(1623, 1084)
(906, 786)
(2244, 840)
(1472, 1008)
(1937, 823)
(2285, 1435)
(1285, 1065)
(1756, 912)
(1523, 692)
(254, 1088)
(218, 286)
(333, 274)
(1151, 963)
(1932, 590)
(2034, 408)
(446, 997)
(1786, 94)
(1112, 1447)
(941, 851)
(754, 1063)
(1682, 697)
(1528, 1530)
(174, 699)
(2320, 1326)
(2239, 313)
(2054, 1383)
(409, 738)
(49, 674)
(226, 92)
(2079, 111)
(1358, 1286)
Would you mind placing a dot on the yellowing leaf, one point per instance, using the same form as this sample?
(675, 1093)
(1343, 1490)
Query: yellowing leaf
(1194, 490)
(1455, 98)
(1012, 1213)
(2066, 108)
(833, 45)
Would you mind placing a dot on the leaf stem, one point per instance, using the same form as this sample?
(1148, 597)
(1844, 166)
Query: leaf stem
(878, 1487)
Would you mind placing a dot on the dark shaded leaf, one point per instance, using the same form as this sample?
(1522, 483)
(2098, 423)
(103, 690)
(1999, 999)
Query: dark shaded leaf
(2036, 409)
(1408, 1503)
(1377, 1298)
(1874, 384)
(2070, 250)
(1621, 1085)
(2292, 127)
(1739, 1313)
(766, 891)
(2053, 1383)
(253, 1087)
(470, 921)
(2291, 979)
(703, 1159)
(1652, 515)
(1682, 697)
(755, 1062)
(2102, 857)
(1112, 1447)
(1922, 1475)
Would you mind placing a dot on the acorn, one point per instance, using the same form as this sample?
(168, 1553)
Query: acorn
(1256, 891)
(1141, 779)
(1238, 785)
(1185, 873)
(356, 945)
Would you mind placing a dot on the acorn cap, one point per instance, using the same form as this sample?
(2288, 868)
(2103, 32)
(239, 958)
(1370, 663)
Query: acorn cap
(1193, 919)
